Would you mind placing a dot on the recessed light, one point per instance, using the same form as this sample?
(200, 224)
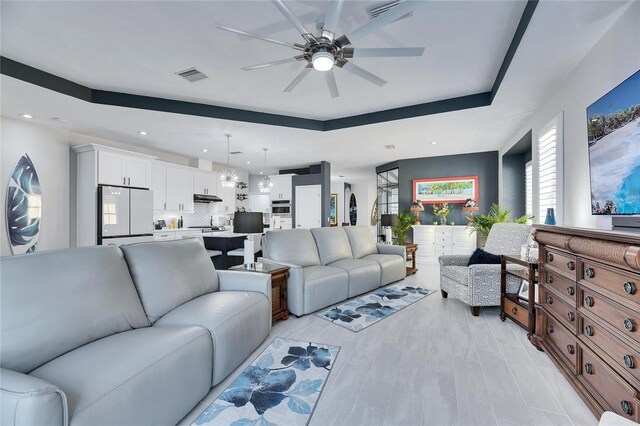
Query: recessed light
(434, 143)
(205, 150)
(143, 133)
(27, 116)
(248, 162)
(261, 173)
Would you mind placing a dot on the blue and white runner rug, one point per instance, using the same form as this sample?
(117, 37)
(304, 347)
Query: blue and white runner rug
(360, 313)
(281, 387)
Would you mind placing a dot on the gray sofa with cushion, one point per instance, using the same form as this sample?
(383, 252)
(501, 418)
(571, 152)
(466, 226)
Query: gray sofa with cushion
(129, 335)
(329, 265)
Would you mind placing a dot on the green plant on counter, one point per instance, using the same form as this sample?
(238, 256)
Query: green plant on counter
(482, 223)
(403, 224)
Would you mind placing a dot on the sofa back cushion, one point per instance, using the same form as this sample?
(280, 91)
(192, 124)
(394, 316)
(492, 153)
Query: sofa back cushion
(361, 240)
(507, 238)
(54, 302)
(332, 243)
(170, 273)
(295, 246)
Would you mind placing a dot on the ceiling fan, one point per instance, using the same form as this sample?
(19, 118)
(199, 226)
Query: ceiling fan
(324, 52)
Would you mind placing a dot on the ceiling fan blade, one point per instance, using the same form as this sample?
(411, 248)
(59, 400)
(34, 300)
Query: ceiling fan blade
(298, 79)
(384, 52)
(362, 73)
(292, 18)
(270, 64)
(258, 36)
(331, 83)
(380, 21)
(332, 18)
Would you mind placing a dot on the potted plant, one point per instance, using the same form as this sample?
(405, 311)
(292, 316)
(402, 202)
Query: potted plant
(403, 223)
(442, 210)
(482, 223)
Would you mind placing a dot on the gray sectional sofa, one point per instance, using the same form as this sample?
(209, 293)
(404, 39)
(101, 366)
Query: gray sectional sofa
(329, 265)
(115, 336)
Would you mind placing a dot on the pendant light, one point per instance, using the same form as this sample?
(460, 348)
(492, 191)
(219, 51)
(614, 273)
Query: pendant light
(228, 178)
(265, 184)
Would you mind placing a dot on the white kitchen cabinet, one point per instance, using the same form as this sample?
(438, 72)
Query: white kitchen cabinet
(438, 240)
(172, 190)
(228, 196)
(281, 189)
(115, 168)
(259, 203)
(158, 185)
(205, 183)
(185, 190)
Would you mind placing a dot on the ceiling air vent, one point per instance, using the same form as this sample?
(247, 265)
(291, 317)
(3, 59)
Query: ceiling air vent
(192, 75)
(235, 152)
(374, 12)
(390, 146)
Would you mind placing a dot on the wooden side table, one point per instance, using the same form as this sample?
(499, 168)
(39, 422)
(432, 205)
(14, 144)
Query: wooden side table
(520, 311)
(279, 275)
(411, 257)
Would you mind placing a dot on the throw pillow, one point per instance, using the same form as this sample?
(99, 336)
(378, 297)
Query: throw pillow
(483, 258)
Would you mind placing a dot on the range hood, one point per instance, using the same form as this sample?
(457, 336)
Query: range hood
(206, 198)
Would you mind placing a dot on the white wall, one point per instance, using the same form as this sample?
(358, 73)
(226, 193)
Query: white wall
(48, 149)
(614, 58)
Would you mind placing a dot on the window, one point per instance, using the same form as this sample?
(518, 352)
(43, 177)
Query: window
(550, 172)
(528, 185)
(387, 195)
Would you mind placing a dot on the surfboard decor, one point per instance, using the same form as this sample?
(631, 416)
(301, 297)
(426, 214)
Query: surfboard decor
(24, 207)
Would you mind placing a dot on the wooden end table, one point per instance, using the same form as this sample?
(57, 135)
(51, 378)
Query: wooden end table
(522, 312)
(411, 257)
(279, 275)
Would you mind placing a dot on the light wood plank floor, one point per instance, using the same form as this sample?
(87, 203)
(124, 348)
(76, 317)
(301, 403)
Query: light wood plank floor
(432, 364)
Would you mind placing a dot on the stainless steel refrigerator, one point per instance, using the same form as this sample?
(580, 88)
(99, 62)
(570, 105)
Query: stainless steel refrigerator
(125, 215)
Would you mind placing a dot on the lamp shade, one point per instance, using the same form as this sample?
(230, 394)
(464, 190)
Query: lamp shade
(389, 219)
(416, 206)
(248, 223)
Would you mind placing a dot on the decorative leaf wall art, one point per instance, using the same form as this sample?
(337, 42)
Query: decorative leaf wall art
(24, 207)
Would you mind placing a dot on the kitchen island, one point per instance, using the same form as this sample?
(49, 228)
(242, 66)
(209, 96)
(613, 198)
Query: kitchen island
(224, 241)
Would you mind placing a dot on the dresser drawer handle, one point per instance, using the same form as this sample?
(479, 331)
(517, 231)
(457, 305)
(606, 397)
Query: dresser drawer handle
(571, 266)
(570, 349)
(588, 301)
(549, 279)
(570, 291)
(588, 368)
(626, 407)
(549, 328)
(570, 316)
(549, 257)
(629, 325)
(628, 361)
(590, 273)
(588, 330)
(629, 287)
(514, 311)
(549, 300)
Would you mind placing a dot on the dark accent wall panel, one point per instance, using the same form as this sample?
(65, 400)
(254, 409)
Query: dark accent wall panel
(513, 184)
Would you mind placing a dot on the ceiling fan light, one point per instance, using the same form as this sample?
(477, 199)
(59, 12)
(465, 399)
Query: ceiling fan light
(322, 61)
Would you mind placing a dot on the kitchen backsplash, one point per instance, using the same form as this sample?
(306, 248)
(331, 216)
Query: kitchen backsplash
(201, 216)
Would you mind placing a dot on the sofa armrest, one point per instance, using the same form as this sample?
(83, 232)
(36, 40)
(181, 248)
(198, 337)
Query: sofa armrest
(245, 281)
(290, 265)
(295, 286)
(28, 400)
(392, 249)
(453, 260)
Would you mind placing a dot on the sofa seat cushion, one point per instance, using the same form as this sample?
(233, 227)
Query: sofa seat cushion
(237, 320)
(459, 274)
(152, 375)
(323, 286)
(392, 267)
(364, 274)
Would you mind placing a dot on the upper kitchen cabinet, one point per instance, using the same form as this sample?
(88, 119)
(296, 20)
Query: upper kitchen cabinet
(172, 188)
(158, 185)
(205, 183)
(281, 189)
(117, 167)
(228, 196)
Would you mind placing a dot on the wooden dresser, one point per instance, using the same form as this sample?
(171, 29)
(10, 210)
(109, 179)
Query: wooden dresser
(588, 319)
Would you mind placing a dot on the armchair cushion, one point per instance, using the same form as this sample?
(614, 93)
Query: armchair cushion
(507, 238)
(481, 257)
(453, 260)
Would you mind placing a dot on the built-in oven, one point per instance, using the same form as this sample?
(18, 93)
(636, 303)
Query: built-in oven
(281, 208)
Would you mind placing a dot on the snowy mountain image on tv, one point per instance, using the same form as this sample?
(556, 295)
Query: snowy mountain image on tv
(613, 124)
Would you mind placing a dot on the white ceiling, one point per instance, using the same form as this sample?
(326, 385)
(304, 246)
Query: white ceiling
(136, 46)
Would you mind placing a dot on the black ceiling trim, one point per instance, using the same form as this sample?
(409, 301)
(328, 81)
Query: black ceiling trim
(49, 81)
(513, 47)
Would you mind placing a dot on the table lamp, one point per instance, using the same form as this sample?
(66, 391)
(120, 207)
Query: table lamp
(470, 206)
(248, 223)
(417, 207)
(387, 221)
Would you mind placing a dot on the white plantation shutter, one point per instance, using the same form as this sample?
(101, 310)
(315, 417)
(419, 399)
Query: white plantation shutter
(528, 184)
(550, 170)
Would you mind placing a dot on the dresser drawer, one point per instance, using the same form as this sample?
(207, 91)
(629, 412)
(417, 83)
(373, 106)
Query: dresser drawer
(621, 283)
(625, 356)
(560, 309)
(622, 319)
(612, 388)
(563, 263)
(516, 312)
(564, 340)
(561, 285)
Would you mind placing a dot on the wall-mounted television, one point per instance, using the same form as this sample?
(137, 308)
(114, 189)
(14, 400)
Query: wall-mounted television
(613, 128)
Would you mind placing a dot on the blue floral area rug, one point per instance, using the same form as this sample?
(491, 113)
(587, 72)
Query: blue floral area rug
(281, 387)
(360, 313)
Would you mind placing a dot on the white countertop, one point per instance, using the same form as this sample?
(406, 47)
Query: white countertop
(223, 234)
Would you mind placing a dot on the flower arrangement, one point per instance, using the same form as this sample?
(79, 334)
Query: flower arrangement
(442, 210)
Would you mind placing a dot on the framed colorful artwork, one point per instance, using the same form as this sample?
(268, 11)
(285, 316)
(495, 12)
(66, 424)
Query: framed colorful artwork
(445, 190)
(333, 209)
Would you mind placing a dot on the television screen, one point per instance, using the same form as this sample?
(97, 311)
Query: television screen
(613, 127)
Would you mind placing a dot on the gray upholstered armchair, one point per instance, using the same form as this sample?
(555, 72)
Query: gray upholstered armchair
(479, 285)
